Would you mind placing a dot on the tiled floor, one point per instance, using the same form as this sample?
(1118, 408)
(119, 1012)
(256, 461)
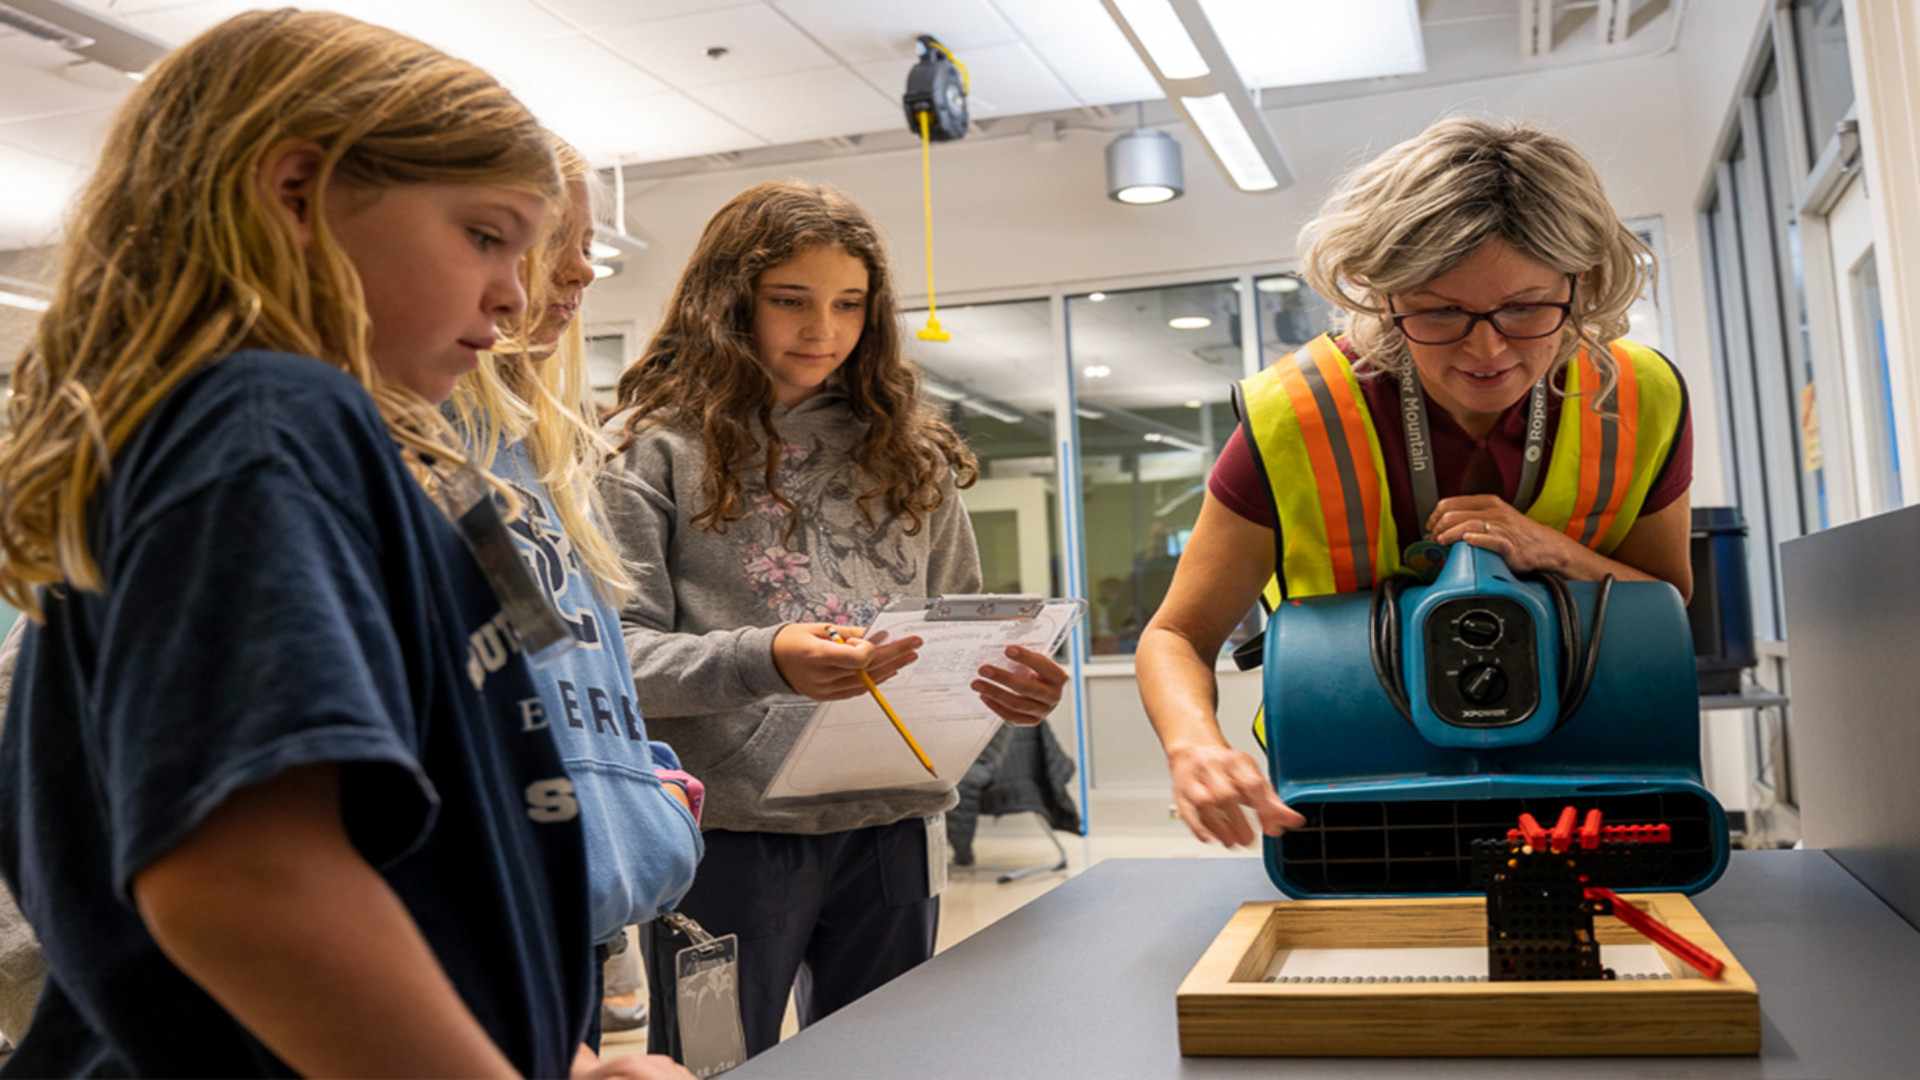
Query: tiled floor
(975, 898)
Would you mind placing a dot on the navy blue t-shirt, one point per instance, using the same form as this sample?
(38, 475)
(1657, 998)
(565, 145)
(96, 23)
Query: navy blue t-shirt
(280, 592)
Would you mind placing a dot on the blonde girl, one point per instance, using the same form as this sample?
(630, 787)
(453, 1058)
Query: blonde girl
(781, 478)
(273, 793)
(528, 415)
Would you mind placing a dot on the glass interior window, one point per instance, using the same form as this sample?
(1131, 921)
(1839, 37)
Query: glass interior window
(990, 381)
(1826, 77)
(1153, 371)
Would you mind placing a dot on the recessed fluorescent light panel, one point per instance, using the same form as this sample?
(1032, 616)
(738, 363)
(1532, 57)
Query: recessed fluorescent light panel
(1168, 45)
(19, 300)
(1190, 322)
(1232, 143)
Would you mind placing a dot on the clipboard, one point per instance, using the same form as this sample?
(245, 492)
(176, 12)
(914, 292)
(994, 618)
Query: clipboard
(849, 749)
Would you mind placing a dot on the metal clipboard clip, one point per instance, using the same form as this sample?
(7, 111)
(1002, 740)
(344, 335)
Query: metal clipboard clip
(974, 608)
(1002, 608)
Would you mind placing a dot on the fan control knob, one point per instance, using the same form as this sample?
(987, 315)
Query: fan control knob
(1480, 629)
(1483, 684)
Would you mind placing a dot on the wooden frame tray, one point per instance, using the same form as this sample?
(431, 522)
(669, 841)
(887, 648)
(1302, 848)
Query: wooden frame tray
(1226, 1007)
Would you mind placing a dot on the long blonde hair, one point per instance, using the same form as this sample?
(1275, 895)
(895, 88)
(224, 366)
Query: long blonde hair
(701, 372)
(1416, 211)
(175, 257)
(515, 395)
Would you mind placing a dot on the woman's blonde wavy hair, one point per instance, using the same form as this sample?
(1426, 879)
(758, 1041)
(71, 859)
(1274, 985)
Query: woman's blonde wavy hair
(176, 257)
(542, 395)
(702, 373)
(1418, 210)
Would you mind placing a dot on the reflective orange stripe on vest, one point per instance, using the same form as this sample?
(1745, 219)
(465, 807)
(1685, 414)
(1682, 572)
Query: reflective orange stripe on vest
(1325, 472)
(1604, 460)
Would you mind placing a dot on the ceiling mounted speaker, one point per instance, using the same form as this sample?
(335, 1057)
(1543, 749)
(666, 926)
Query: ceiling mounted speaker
(1143, 167)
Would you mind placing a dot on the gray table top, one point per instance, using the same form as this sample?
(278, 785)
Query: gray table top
(1080, 983)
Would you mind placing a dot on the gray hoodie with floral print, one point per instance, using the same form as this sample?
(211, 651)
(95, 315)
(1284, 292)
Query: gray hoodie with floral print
(700, 627)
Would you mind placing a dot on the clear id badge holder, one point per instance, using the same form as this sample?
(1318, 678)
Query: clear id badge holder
(468, 501)
(707, 999)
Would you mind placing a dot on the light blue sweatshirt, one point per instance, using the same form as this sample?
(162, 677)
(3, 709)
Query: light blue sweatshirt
(642, 845)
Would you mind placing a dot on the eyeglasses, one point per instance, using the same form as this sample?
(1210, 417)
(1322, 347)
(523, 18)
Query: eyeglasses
(1519, 322)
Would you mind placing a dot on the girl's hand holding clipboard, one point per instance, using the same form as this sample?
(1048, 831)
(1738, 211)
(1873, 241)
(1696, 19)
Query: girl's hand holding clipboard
(1024, 692)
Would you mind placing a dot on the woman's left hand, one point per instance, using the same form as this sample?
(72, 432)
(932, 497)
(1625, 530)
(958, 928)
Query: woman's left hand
(1022, 693)
(1491, 523)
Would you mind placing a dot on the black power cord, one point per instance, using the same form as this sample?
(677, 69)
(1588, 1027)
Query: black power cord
(1580, 654)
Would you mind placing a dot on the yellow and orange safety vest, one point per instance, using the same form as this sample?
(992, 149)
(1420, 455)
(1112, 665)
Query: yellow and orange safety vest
(1317, 447)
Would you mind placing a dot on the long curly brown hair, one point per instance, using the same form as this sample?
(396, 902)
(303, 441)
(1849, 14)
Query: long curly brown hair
(701, 374)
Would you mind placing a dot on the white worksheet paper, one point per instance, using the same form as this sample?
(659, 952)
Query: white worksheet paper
(849, 745)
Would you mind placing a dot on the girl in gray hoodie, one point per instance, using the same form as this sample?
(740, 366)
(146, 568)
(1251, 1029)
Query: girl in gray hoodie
(780, 479)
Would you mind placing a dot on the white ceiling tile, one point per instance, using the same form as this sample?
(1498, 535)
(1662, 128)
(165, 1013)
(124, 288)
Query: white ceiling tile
(119, 8)
(758, 41)
(39, 190)
(804, 105)
(180, 23)
(560, 73)
(1053, 18)
(1098, 66)
(31, 83)
(606, 14)
(655, 128)
(1315, 40)
(74, 138)
(862, 31)
(460, 27)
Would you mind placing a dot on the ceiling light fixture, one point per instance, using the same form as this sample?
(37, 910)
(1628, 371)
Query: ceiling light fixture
(21, 300)
(1096, 371)
(1214, 101)
(1283, 283)
(622, 244)
(1168, 439)
(1143, 166)
(1189, 322)
(85, 33)
(1005, 416)
(1096, 297)
(1166, 43)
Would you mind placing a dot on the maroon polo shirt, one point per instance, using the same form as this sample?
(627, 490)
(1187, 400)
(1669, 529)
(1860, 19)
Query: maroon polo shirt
(1236, 479)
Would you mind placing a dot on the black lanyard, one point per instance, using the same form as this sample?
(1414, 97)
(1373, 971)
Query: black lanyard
(1413, 421)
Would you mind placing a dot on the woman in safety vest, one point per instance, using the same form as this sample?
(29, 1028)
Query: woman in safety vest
(1480, 393)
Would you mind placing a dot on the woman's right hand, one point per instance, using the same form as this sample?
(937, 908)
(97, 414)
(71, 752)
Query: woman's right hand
(816, 665)
(1215, 786)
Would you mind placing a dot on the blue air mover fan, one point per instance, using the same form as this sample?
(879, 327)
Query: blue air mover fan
(1408, 724)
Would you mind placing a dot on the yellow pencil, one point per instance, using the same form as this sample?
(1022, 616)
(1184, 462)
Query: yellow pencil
(898, 726)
